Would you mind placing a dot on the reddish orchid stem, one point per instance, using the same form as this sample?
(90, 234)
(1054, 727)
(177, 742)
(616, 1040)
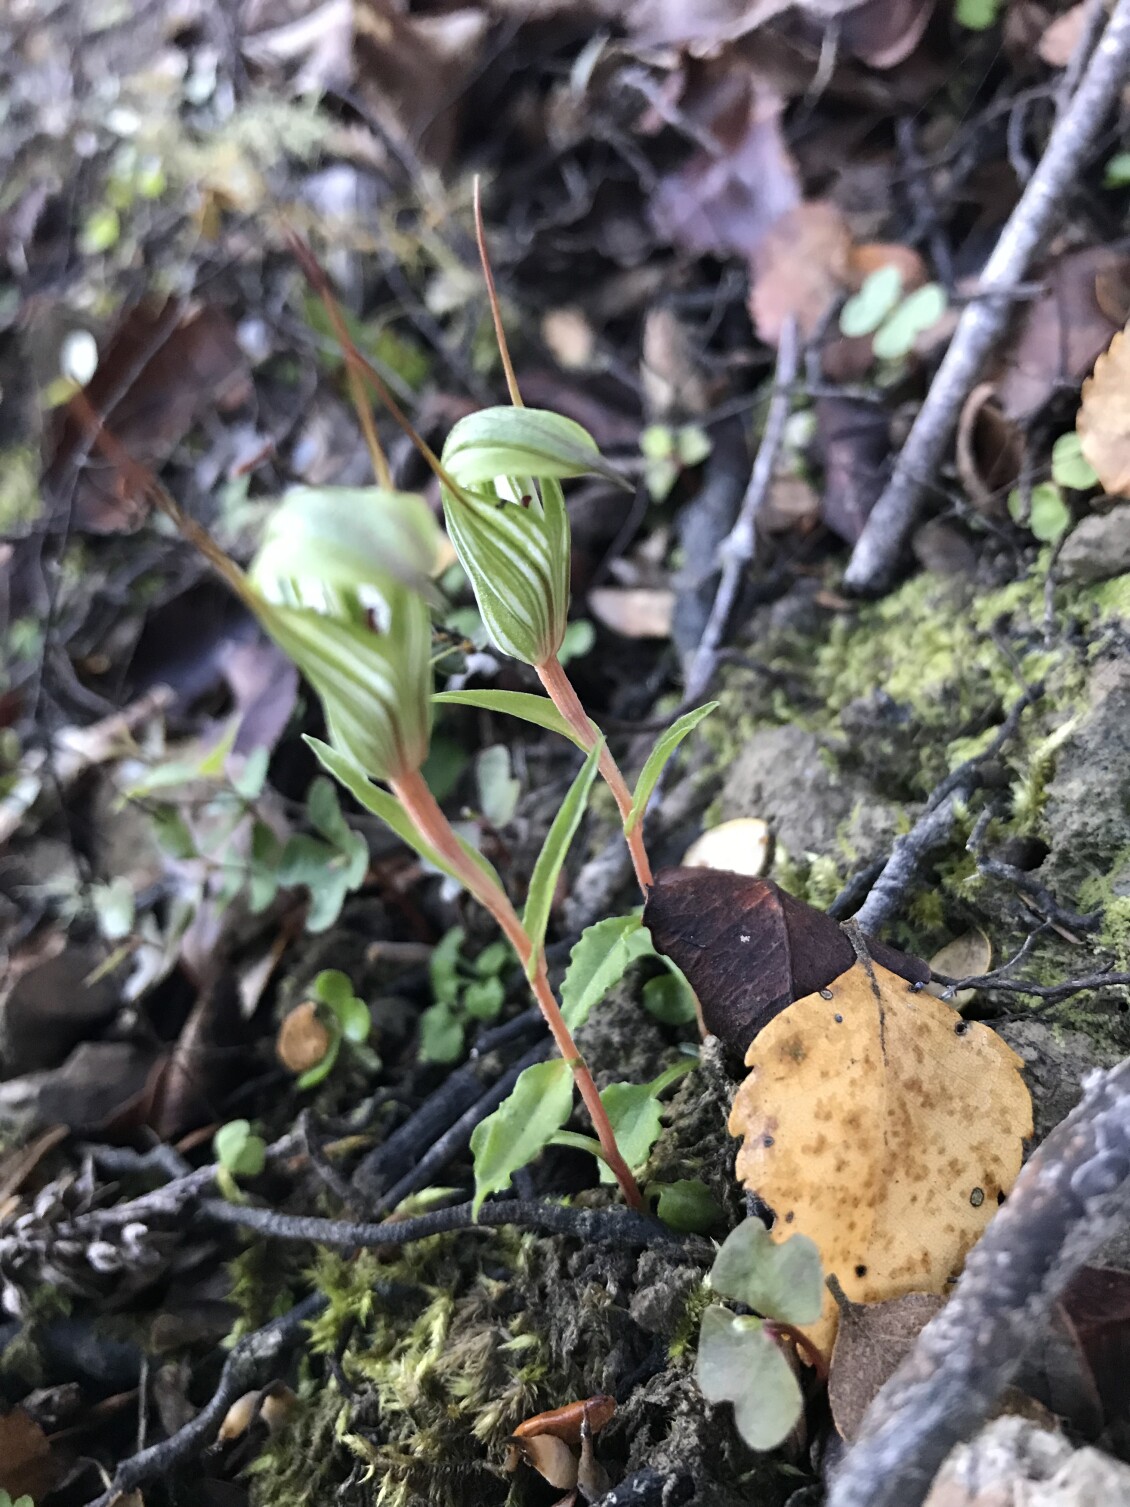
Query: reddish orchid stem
(561, 692)
(811, 1352)
(411, 790)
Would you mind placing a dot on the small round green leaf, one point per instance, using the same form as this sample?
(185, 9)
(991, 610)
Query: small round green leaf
(780, 1280)
(1070, 468)
(865, 311)
(895, 337)
(687, 1205)
(739, 1363)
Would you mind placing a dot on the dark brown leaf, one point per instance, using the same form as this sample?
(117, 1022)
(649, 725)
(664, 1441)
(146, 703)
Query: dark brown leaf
(26, 1466)
(162, 368)
(749, 948)
(871, 1342)
(855, 439)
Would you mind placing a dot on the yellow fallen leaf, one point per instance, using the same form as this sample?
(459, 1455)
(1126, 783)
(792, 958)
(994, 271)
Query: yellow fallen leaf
(1103, 421)
(883, 1126)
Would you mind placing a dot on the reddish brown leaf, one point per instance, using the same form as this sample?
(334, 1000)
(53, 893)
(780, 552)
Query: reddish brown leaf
(162, 368)
(750, 948)
(855, 440)
(1096, 1305)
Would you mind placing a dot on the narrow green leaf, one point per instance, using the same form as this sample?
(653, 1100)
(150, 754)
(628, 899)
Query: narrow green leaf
(599, 960)
(321, 1070)
(739, 1363)
(634, 1110)
(781, 1280)
(543, 881)
(390, 811)
(520, 1128)
(529, 708)
(659, 755)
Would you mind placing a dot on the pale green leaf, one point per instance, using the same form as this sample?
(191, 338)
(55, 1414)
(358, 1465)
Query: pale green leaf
(865, 311)
(579, 638)
(658, 757)
(1116, 173)
(739, 1363)
(920, 310)
(1070, 468)
(520, 1128)
(522, 704)
(780, 1280)
(498, 789)
(239, 1151)
(441, 1034)
(1048, 514)
(543, 881)
(114, 906)
(483, 998)
(599, 960)
(443, 965)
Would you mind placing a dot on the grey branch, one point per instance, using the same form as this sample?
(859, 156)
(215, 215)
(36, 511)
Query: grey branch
(880, 546)
(1072, 1196)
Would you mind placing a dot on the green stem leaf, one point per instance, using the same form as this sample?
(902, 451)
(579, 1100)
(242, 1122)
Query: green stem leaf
(658, 757)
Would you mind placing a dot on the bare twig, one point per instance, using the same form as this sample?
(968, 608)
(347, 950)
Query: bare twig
(251, 1364)
(933, 827)
(1073, 1195)
(621, 1227)
(880, 546)
(1050, 992)
(737, 550)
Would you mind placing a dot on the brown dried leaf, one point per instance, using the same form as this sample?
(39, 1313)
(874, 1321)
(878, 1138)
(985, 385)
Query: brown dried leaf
(885, 1128)
(1062, 36)
(965, 957)
(871, 1341)
(26, 1466)
(1103, 421)
(634, 611)
(739, 846)
(1059, 335)
(724, 201)
(801, 266)
(162, 368)
(748, 947)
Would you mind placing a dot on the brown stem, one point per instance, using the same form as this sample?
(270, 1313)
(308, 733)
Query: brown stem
(560, 690)
(412, 792)
(811, 1352)
(492, 298)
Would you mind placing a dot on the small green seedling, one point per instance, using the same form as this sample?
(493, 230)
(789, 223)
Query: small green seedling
(346, 1019)
(7, 1501)
(668, 452)
(239, 1153)
(740, 1359)
(462, 992)
(1070, 467)
(894, 321)
(1047, 515)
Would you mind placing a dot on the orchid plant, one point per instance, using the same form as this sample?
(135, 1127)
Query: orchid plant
(343, 583)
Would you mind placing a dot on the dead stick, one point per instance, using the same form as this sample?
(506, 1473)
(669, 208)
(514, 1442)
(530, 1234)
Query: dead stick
(1072, 1196)
(880, 546)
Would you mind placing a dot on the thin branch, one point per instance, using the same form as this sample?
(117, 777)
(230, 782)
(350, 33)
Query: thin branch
(253, 1362)
(934, 826)
(738, 548)
(879, 548)
(619, 1227)
(1073, 1195)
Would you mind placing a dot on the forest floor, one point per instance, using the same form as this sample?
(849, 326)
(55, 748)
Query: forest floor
(734, 242)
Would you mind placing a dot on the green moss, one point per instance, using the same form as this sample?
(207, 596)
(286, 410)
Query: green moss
(20, 503)
(685, 1339)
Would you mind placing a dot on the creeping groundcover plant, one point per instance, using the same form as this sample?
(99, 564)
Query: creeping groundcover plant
(342, 582)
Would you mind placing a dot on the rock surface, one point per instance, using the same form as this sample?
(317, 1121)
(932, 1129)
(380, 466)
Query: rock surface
(1013, 1463)
(1098, 547)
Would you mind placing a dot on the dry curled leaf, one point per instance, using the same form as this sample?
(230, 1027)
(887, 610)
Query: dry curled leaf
(740, 846)
(967, 956)
(799, 269)
(1103, 422)
(883, 1126)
